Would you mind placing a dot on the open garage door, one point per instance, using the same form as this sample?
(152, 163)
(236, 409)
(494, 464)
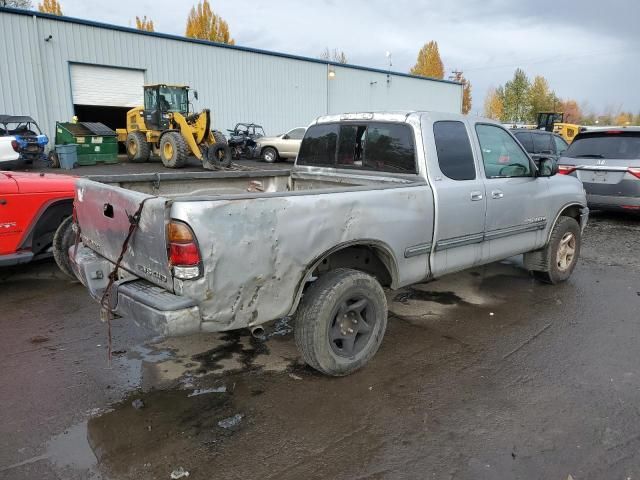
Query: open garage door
(105, 94)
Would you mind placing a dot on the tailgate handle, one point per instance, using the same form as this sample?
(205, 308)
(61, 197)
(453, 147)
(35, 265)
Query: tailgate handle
(107, 209)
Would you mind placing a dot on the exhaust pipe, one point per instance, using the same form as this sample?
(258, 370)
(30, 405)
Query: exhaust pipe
(258, 332)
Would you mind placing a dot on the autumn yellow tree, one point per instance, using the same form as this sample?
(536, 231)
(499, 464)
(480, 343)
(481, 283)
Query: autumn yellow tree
(206, 25)
(494, 104)
(50, 6)
(571, 110)
(429, 63)
(466, 90)
(144, 23)
(624, 118)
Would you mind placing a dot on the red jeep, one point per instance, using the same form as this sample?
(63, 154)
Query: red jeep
(32, 208)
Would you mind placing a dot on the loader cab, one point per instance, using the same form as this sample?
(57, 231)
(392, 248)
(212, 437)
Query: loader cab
(160, 101)
(547, 119)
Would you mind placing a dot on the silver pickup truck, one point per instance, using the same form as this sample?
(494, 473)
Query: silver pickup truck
(374, 200)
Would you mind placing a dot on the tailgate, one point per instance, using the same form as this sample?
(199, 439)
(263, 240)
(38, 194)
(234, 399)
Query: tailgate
(103, 215)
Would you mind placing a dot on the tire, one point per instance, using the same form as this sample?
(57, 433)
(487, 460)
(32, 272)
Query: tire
(63, 239)
(173, 150)
(138, 149)
(270, 155)
(54, 160)
(218, 155)
(565, 242)
(318, 321)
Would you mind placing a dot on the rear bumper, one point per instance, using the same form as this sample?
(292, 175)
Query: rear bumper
(147, 304)
(612, 202)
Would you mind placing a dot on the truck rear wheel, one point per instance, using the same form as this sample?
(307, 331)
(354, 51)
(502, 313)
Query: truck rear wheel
(63, 239)
(560, 256)
(138, 150)
(173, 150)
(341, 321)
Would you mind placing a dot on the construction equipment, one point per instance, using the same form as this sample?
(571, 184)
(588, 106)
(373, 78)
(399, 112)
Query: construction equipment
(554, 122)
(165, 127)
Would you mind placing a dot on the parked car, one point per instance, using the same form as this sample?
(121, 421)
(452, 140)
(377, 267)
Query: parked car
(32, 208)
(607, 162)
(540, 143)
(283, 146)
(28, 136)
(431, 194)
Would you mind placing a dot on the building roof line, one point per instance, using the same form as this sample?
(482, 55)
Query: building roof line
(179, 38)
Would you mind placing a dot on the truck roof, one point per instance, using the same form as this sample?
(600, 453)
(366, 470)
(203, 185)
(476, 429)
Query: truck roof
(392, 116)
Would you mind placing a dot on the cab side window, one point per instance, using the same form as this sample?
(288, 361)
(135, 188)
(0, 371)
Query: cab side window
(455, 157)
(501, 154)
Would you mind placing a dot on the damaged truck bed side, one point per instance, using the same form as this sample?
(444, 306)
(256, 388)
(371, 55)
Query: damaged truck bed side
(374, 200)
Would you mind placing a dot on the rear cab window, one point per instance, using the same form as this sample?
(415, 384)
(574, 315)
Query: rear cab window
(373, 146)
(614, 144)
(525, 139)
(542, 143)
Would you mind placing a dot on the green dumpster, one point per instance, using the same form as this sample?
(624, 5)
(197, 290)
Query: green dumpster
(96, 143)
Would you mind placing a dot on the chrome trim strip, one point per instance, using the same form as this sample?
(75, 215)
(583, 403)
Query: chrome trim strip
(459, 241)
(416, 250)
(506, 232)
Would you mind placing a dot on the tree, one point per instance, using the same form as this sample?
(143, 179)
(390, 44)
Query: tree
(50, 6)
(541, 98)
(494, 104)
(466, 90)
(516, 98)
(25, 4)
(206, 25)
(429, 63)
(624, 118)
(334, 55)
(142, 23)
(571, 110)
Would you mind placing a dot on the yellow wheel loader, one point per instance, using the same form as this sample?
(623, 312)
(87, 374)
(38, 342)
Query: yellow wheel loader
(165, 127)
(554, 122)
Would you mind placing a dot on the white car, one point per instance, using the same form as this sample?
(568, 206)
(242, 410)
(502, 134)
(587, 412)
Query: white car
(272, 149)
(9, 154)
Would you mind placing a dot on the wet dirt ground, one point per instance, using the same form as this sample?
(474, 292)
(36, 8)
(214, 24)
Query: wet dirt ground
(485, 374)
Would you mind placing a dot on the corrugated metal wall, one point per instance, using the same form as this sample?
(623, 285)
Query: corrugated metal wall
(275, 91)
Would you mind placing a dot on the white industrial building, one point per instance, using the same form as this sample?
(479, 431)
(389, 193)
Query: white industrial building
(52, 68)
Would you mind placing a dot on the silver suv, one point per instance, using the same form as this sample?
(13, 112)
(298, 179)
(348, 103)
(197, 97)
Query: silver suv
(607, 161)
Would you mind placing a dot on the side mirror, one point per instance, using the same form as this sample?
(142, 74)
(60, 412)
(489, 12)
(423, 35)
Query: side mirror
(285, 137)
(547, 167)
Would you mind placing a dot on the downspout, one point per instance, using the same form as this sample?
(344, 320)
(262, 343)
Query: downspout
(43, 99)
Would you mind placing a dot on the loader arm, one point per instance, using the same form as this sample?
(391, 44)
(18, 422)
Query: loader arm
(187, 132)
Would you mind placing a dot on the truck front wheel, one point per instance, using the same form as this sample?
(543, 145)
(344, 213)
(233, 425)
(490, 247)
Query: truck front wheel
(341, 321)
(560, 256)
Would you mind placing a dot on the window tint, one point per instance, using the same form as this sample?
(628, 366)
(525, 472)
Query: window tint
(525, 139)
(319, 145)
(296, 134)
(501, 154)
(561, 145)
(623, 146)
(454, 150)
(368, 146)
(542, 143)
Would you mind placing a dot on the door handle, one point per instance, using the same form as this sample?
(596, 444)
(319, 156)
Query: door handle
(475, 196)
(497, 194)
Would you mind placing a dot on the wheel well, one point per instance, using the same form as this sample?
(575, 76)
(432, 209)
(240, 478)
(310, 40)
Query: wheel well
(41, 234)
(367, 258)
(572, 211)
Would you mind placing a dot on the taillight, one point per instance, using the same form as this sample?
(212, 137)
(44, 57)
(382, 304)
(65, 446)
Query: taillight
(14, 144)
(566, 169)
(183, 252)
(635, 171)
